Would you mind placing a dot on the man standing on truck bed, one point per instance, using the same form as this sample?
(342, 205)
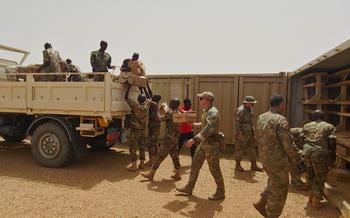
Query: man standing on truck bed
(101, 61)
(52, 61)
(138, 133)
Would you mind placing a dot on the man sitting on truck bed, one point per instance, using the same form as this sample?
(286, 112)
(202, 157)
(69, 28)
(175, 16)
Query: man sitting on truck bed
(101, 61)
(52, 62)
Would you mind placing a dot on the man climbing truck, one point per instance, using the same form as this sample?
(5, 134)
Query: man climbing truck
(61, 117)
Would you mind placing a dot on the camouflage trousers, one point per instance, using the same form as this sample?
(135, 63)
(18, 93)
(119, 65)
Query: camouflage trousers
(276, 191)
(295, 177)
(137, 139)
(169, 146)
(153, 134)
(317, 162)
(243, 145)
(211, 153)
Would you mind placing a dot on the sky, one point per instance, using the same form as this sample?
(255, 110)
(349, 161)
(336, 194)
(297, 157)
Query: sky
(182, 36)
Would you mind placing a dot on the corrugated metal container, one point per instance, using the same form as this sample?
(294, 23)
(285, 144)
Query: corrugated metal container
(229, 91)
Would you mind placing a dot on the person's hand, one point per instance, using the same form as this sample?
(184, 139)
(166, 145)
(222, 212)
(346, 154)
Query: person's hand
(114, 67)
(189, 143)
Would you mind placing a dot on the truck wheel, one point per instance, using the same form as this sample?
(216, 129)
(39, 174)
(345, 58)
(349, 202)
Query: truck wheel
(51, 146)
(13, 139)
(99, 143)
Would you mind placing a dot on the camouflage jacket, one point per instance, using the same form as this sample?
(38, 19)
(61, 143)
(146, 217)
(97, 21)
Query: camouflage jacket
(210, 124)
(298, 137)
(244, 121)
(52, 57)
(139, 115)
(318, 132)
(276, 145)
(100, 61)
(171, 128)
(154, 118)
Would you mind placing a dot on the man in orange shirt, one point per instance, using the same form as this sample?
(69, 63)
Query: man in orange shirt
(186, 131)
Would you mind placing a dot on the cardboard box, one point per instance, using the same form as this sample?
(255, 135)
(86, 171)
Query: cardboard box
(124, 76)
(185, 117)
(139, 81)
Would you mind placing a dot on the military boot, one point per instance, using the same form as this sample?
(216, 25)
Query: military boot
(142, 164)
(149, 175)
(132, 167)
(177, 175)
(150, 161)
(316, 202)
(239, 167)
(217, 196)
(185, 190)
(255, 167)
(260, 206)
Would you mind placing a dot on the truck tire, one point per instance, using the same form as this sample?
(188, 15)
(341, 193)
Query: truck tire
(51, 146)
(13, 139)
(99, 143)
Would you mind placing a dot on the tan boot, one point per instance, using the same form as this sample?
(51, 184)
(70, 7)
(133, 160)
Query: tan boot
(177, 175)
(260, 206)
(217, 196)
(185, 190)
(142, 164)
(316, 202)
(255, 167)
(239, 167)
(132, 167)
(149, 175)
(149, 163)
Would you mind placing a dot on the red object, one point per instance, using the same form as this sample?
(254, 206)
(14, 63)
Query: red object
(113, 137)
(185, 127)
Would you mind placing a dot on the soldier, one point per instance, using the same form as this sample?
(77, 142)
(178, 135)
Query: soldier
(101, 61)
(72, 68)
(245, 134)
(295, 178)
(169, 146)
(138, 133)
(153, 128)
(209, 148)
(320, 146)
(276, 147)
(138, 68)
(52, 62)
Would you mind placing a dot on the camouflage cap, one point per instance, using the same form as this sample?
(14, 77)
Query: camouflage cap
(250, 99)
(207, 95)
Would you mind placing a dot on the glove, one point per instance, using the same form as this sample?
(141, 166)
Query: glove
(301, 167)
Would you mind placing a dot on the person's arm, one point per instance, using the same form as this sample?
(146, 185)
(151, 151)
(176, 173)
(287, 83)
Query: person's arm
(209, 128)
(109, 62)
(126, 96)
(93, 60)
(238, 119)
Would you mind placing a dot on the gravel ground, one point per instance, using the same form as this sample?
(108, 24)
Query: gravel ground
(99, 186)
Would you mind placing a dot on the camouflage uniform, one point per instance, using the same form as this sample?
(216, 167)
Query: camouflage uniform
(316, 154)
(53, 58)
(298, 137)
(169, 145)
(245, 133)
(209, 149)
(153, 129)
(100, 62)
(275, 148)
(138, 126)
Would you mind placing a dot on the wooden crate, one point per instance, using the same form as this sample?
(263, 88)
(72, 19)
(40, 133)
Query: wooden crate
(185, 117)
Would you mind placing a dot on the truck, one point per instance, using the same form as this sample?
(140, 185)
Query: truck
(62, 118)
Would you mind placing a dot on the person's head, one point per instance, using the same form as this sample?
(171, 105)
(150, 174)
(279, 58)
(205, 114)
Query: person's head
(103, 45)
(135, 56)
(317, 115)
(277, 102)
(174, 103)
(249, 101)
(187, 104)
(156, 98)
(141, 99)
(47, 45)
(206, 99)
(68, 61)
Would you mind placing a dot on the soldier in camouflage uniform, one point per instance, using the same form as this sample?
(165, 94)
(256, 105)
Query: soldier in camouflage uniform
(245, 134)
(209, 148)
(276, 148)
(52, 62)
(138, 127)
(169, 145)
(320, 145)
(153, 128)
(72, 68)
(101, 61)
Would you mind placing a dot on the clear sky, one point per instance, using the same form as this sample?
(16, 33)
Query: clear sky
(180, 36)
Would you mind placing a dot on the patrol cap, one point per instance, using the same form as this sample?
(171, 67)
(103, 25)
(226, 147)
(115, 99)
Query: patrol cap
(207, 95)
(250, 99)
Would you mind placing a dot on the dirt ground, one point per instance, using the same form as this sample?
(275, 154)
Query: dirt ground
(99, 186)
